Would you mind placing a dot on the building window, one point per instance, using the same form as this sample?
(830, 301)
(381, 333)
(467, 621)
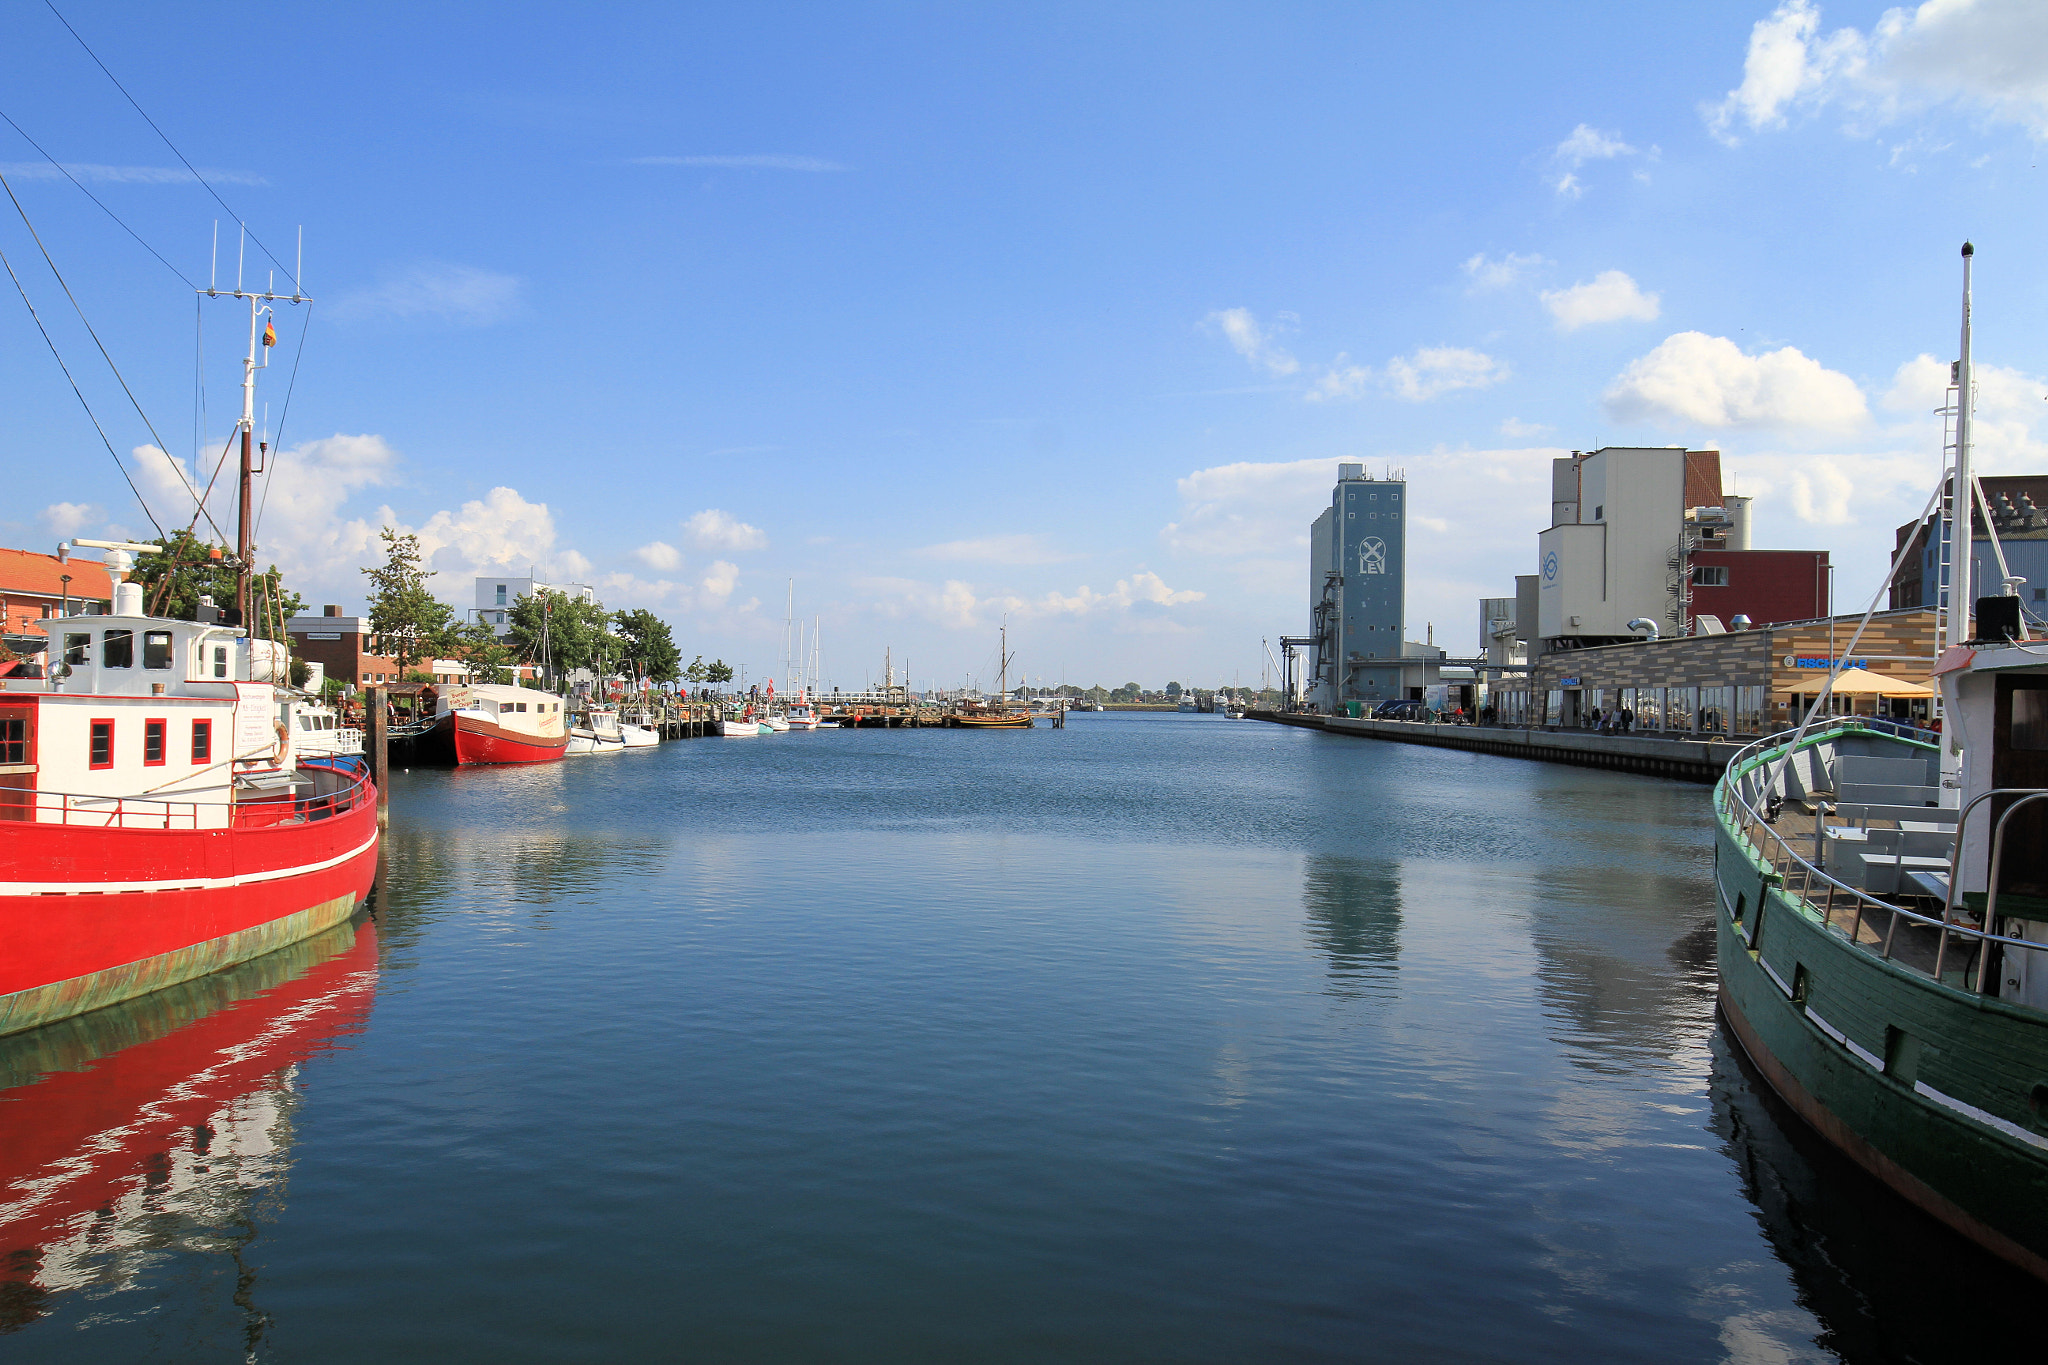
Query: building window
(117, 649)
(153, 743)
(2041, 594)
(102, 750)
(202, 741)
(501, 594)
(156, 649)
(1600, 511)
(14, 741)
(1710, 575)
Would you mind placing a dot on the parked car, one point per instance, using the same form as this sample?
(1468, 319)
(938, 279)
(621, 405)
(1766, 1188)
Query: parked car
(1398, 710)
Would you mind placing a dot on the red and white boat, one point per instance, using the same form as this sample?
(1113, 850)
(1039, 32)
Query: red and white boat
(490, 723)
(155, 823)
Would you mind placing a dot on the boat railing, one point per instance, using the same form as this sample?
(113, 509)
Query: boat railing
(1850, 910)
(84, 811)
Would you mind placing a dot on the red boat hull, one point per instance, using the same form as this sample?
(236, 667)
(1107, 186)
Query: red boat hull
(93, 916)
(479, 741)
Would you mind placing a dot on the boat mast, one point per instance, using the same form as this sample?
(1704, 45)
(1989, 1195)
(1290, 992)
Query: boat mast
(1962, 503)
(245, 522)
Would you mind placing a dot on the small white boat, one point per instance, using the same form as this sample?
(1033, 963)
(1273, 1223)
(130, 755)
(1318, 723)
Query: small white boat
(801, 718)
(638, 736)
(776, 723)
(596, 731)
(320, 733)
(741, 729)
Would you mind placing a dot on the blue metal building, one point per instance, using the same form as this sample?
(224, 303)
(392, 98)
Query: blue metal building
(1358, 557)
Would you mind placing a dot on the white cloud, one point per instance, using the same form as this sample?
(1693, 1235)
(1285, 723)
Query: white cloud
(1249, 508)
(718, 582)
(1012, 549)
(1342, 380)
(1517, 430)
(1255, 343)
(766, 162)
(66, 519)
(1487, 273)
(1988, 57)
(2010, 405)
(1708, 381)
(124, 175)
(1143, 600)
(660, 556)
(451, 293)
(1435, 370)
(502, 531)
(1610, 296)
(1586, 143)
(713, 530)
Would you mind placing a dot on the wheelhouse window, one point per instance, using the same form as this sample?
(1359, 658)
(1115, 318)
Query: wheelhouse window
(78, 650)
(14, 740)
(202, 741)
(156, 649)
(2029, 719)
(101, 753)
(153, 743)
(117, 649)
(220, 661)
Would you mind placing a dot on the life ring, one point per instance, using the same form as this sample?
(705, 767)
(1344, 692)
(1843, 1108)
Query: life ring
(283, 741)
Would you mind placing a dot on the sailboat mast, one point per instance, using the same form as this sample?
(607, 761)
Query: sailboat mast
(1963, 492)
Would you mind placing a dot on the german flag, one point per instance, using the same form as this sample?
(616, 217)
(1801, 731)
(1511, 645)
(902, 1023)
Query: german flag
(269, 333)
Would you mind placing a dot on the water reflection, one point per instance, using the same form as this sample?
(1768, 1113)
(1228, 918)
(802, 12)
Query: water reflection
(1354, 920)
(1887, 1282)
(159, 1126)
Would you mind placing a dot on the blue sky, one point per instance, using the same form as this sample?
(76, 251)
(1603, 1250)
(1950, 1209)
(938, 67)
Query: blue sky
(1064, 314)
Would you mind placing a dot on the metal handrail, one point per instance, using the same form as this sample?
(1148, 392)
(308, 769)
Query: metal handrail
(1733, 788)
(122, 812)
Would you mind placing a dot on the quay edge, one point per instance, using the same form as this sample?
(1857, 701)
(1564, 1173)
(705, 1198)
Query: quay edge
(1688, 760)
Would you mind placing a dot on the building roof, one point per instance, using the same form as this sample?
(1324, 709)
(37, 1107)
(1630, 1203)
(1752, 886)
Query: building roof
(24, 573)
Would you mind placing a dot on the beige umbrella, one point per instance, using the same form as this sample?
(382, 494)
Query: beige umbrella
(1861, 682)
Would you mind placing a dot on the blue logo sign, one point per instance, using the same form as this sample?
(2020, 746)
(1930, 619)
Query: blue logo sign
(1803, 662)
(1550, 566)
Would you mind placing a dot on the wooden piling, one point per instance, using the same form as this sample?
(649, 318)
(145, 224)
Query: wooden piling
(377, 748)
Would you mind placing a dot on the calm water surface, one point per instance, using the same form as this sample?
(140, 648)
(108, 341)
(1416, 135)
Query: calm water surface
(1160, 1038)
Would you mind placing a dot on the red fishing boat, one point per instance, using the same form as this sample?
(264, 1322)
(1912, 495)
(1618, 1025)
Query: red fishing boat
(155, 823)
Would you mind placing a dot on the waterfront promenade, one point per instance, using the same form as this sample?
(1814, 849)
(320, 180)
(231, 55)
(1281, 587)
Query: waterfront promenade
(1691, 760)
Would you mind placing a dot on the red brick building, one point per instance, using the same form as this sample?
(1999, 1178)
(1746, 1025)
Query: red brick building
(1767, 586)
(343, 644)
(32, 587)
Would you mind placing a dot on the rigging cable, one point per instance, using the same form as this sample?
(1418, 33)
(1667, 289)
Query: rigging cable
(172, 145)
(133, 401)
(140, 500)
(66, 170)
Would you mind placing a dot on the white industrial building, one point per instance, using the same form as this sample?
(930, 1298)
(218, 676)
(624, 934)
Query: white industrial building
(496, 596)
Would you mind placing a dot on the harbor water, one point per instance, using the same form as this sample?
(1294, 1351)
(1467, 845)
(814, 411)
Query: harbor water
(1158, 1038)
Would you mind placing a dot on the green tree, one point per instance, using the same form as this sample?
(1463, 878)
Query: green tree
(557, 631)
(480, 650)
(694, 674)
(188, 569)
(409, 622)
(1173, 689)
(648, 645)
(718, 671)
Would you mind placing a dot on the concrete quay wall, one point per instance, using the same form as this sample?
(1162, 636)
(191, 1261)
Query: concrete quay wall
(1688, 760)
